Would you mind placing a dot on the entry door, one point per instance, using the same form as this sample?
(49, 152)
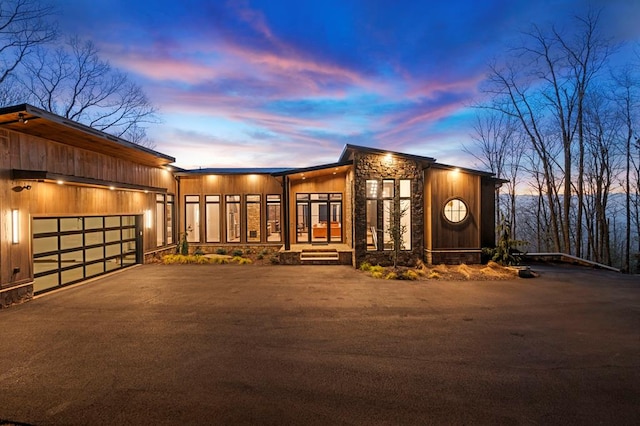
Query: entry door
(319, 217)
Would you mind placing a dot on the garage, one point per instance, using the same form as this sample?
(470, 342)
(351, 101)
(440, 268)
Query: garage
(70, 249)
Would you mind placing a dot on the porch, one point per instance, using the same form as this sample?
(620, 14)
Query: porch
(317, 254)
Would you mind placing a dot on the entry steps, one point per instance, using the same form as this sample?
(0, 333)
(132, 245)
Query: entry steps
(320, 256)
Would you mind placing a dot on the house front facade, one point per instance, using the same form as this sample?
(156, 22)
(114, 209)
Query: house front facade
(76, 203)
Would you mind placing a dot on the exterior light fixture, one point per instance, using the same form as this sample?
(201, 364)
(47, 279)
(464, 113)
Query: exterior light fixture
(112, 188)
(21, 119)
(60, 182)
(15, 226)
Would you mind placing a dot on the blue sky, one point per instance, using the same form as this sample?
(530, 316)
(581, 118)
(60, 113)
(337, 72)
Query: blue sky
(243, 83)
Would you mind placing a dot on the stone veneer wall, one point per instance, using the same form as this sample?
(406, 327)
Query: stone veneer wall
(371, 166)
(15, 295)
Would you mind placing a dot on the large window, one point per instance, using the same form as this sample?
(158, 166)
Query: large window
(253, 218)
(273, 218)
(192, 218)
(372, 214)
(405, 214)
(171, 214)
(388, 213)
(160, 218)
(212, 213)
(395, 202)
(233, 218)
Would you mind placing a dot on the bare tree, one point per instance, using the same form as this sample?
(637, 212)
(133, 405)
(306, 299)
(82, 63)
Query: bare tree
(499, 148)
(72, 81)
(24, 25)
(544, 85)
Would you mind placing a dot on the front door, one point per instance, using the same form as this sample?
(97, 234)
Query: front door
(318, 217)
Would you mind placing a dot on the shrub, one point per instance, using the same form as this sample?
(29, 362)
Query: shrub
(391, 276)
(198, 251)
(172, 259)
(243, 260)
(275, 259)
(376, 274)
(221, 251)
(410, 275)
(237, 253)
(376, 268)
(365, 266)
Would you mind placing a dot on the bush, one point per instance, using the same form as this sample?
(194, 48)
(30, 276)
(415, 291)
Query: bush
(376, 268)
(275, 259)
(172, 259)
(221, 251)
(365, 266)
(376, 274)
(391, 276)
(409, 275)
(237, 253)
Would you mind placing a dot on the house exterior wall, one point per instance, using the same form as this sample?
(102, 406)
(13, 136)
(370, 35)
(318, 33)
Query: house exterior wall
(448, 242)
(25, 152)
(369, 166)
(230, 184)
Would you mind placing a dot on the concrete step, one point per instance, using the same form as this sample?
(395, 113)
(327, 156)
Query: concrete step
(317, 256)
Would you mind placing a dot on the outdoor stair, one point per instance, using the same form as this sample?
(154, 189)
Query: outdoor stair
(320, 256)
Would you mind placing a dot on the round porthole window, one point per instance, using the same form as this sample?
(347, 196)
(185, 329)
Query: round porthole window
(455, 210)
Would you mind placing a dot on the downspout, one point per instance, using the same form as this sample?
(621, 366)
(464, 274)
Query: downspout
(285, 201)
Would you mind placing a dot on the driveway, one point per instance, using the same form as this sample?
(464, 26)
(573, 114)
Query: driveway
(230, 344)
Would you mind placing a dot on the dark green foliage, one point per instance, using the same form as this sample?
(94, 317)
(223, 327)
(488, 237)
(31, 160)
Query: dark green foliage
(507, 251)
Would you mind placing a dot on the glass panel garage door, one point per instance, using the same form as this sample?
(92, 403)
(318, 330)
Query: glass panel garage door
(67, 250)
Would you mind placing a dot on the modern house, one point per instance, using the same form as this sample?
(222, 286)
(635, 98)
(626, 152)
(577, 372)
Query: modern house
(77, 203)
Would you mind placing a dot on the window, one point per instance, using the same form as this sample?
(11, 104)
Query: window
(233, 218)
(372, 214)
(395, 202)
(253, 218)
(273, 218)
(405, 213)
(212, 213)
(455, 210)
(170, 218)
(160, 212)
(388, 210)
(192, 218)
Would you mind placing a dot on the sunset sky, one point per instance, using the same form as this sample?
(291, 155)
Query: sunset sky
(287, 83)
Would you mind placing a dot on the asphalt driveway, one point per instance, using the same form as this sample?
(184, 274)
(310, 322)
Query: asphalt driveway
(230, 344)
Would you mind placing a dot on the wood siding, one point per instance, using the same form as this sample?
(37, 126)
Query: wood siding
(442, 185)
(25, 152)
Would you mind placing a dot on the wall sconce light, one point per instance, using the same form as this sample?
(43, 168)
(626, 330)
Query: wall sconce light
(15, 226)
(147, 219)
(21, 119)
(21, 188)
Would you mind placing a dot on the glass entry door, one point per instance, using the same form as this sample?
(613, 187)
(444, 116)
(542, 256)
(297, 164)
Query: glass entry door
(319, 218)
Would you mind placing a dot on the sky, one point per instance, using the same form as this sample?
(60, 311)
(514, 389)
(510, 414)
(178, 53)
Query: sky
(287, 83)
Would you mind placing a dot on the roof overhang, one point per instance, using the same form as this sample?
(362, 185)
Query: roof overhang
(316, 171)
(349, 151)
(44, 176)
(34, 121)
